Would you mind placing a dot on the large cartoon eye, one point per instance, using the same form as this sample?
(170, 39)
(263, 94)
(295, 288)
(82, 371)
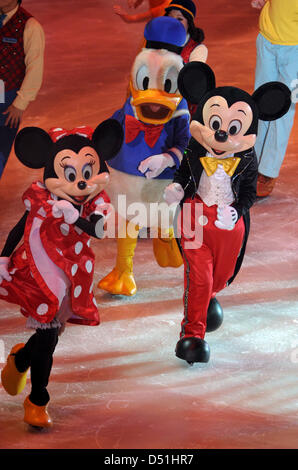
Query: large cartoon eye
(170, 80)
(87, 171)
(70, 173)
(235, 127)
(142, 78)
(215, 122)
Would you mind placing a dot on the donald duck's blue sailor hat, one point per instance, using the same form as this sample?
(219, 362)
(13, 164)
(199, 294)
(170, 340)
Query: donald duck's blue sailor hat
(165, 32)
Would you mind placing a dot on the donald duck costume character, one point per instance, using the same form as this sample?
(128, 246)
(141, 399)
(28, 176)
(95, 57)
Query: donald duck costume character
(155, 120)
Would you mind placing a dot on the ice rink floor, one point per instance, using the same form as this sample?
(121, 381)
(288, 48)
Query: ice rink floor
(119, 385)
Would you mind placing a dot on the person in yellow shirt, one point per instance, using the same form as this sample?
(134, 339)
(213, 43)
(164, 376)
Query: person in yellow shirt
(22, 45)
(277, 60)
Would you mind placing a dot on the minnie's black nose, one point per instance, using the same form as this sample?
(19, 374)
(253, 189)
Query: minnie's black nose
(82, 185)
(221, 136)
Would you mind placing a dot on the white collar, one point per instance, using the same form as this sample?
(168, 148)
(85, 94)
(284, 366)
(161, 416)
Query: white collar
(213, 156)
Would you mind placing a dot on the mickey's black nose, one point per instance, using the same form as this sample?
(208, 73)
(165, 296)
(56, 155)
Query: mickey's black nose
(82, 185)
(221, 136)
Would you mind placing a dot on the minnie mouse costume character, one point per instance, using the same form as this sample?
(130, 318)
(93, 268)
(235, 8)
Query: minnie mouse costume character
(218, 172)
(50, 275)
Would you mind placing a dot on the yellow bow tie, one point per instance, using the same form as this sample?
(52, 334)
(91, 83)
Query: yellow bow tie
(229, 164)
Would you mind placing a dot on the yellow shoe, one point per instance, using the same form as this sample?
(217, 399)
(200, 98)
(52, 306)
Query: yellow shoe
(118, 283)
(37, 416)
(167, 253)
(12, 380)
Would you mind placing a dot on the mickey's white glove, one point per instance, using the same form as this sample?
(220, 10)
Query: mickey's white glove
(4, 274)
(153, 166)
(226, 218)
(173, 193)
(64, 209)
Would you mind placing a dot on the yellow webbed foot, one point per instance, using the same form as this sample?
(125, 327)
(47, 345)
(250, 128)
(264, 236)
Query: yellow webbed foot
(167, 253)
(12, 380)
(119, 283)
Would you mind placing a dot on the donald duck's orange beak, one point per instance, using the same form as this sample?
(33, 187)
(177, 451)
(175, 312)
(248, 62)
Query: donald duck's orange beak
(154, 106)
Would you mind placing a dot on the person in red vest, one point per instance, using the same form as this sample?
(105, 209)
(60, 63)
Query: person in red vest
(22, 44)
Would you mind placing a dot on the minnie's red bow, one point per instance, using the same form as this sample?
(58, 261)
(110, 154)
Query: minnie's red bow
(57, 133)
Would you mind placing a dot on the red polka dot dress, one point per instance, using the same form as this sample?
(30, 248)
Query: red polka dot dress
(52, 270)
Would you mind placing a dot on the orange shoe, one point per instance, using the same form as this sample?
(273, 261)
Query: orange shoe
(265, 185)
(12, 380)
(37, 416)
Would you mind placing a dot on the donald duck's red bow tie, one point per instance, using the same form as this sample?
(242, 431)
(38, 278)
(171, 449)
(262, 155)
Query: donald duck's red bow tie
(133, 127)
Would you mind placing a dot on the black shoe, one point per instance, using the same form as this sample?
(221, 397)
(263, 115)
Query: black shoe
(192, 350)
(214, 316)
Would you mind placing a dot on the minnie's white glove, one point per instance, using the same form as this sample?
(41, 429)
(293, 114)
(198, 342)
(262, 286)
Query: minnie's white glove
(173, 193)
(4, 274)
(153, 166)
(105, 209)
(226, 218)
(64, 209)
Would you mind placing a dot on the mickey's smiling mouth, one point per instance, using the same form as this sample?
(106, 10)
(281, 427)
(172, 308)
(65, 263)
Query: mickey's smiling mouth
(218, 152)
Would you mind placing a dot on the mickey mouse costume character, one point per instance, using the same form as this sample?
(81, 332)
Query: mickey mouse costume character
(50, 275)
(218, 171)
(155, 120)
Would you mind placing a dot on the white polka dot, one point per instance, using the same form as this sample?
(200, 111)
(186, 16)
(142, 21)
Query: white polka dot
(77, 291)
(99, 201)
(74, 269)
(42, 309)
(89, 242)
(94, 301)
(53, 196)
(78, 247)
(13, 271)
(31, 274)
(40, 185)
(203, 220)
(24, 256)
(64, 228)
(59, 251)
(89, 266)
(91, 287)
(42, 212)
(27, 204)
(78, 230)
(3, 291)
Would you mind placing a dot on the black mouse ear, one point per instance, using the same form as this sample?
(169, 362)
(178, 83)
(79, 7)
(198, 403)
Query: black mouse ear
(194, 80)
(32, 146)
(273, 100)
(108, 138)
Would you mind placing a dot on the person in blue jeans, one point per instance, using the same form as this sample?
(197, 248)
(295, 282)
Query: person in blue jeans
(277, 60)
(21, 69)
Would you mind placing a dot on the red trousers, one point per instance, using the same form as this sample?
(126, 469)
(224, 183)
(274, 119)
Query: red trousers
(207, 268)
